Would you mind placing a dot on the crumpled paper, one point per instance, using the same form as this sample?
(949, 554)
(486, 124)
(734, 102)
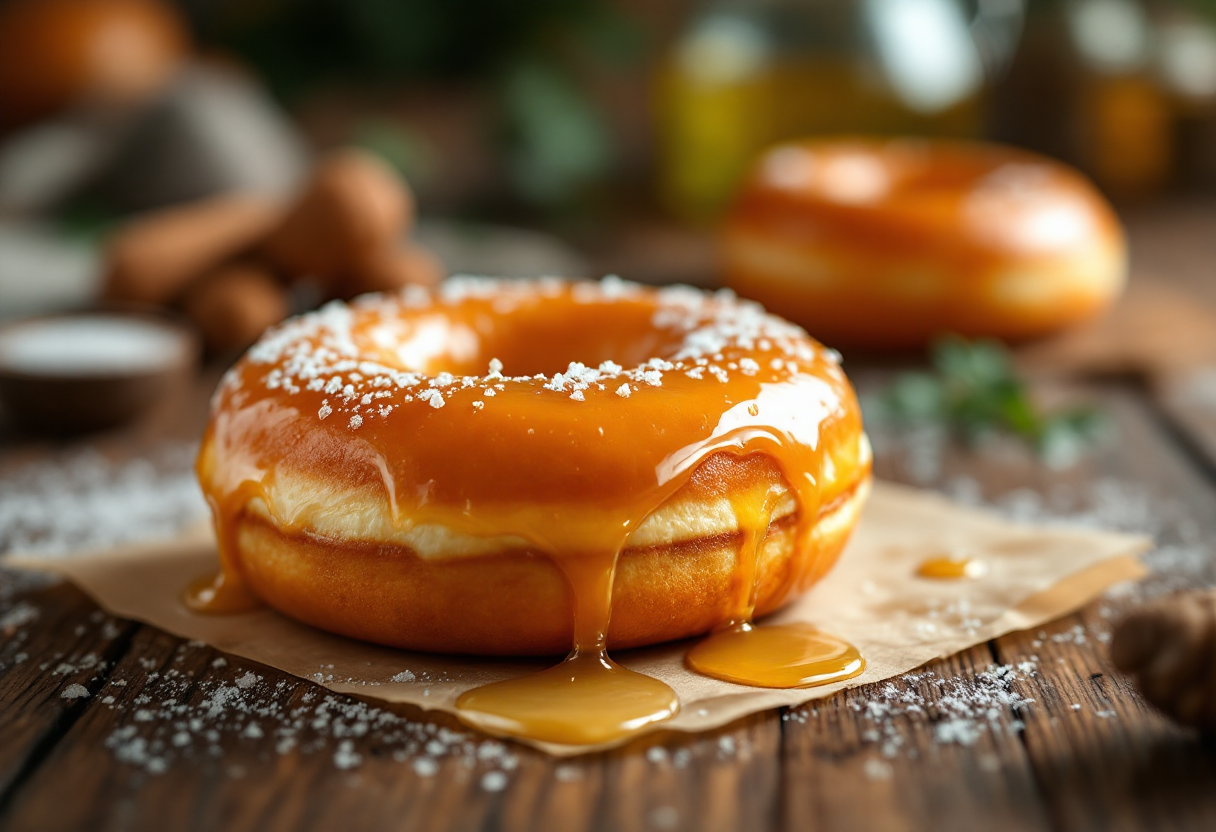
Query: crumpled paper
(872, 598)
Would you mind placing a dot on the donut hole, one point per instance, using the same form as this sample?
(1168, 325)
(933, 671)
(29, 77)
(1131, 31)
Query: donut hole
(535, 337)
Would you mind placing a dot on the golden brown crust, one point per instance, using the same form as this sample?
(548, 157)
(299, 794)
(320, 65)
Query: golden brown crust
(364, 482)
(889, 243)
(517, 603)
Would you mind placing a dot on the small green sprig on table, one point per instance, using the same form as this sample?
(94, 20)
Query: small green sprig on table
(974, 391)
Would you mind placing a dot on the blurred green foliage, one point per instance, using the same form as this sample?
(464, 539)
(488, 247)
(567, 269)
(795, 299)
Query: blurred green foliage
(974, 391)
(534, 57)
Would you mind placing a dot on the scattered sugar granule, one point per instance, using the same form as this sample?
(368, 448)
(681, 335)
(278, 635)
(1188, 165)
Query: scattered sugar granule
(325, 410)
(432, 397)
(82, 500)
(426, 767)
(404, 676)
(75, 691)
(346, 757)
(18, 615)
(494, 781)
(356, 422)
(964, 708)
(248, 680)
(624, 391)
(877, 769)
(664, 817)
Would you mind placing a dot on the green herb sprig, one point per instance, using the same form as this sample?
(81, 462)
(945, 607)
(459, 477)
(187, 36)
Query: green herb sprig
(975, 391)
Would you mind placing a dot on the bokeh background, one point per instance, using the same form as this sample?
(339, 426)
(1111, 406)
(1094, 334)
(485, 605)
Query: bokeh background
(580, 136)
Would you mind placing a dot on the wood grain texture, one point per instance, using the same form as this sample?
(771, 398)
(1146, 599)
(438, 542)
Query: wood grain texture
(249, 785)
(830, 766)
(1187, 400)
(1104, 759)
(834, 777)
(62, 641)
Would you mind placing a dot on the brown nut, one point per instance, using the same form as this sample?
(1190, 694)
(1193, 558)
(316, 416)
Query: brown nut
(390, 269)
(234, 305)
(56, 53)
(354, 205)
(1169, 647)
(154, 258)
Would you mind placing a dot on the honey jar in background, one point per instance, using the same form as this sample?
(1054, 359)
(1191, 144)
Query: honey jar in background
(1123, 89)
(747, 73)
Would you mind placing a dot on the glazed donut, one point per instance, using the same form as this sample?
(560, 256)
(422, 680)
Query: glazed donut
(885, 244)
(431, 470)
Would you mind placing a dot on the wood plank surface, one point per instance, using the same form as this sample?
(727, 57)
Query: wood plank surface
(1102, 759)
(1105, 760)
(1188, 401)
(56, 650)
(837, 775)
(865, 759)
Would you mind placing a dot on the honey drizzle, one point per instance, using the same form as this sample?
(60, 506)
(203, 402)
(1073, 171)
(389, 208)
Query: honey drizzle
(754, 517)
(951, 568)
(587, 698)
(776, 656)
(771, 656)
(225, 592)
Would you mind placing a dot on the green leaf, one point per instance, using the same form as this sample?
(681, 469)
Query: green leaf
(915, 397)
(974, 390)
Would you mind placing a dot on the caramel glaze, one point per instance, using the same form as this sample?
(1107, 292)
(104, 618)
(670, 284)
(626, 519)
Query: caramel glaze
(572, 476)
(772, 656)
(885, 242)
(951, 568)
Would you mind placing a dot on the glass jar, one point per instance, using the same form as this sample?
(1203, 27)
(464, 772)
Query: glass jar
(747, 73)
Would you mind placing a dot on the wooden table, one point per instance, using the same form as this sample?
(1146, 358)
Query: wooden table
(1087, 753)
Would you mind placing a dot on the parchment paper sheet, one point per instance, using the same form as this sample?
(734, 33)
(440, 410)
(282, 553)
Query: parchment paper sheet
(872, 598)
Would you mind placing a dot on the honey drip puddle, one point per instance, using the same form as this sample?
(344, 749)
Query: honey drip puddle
(586, 699)
(224, 592)
(219, 595)
(769, 656)
(776, 656)
(950, 568)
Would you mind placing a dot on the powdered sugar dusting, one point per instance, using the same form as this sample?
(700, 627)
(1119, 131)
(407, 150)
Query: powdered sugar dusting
(962, 709)
(166, 713)
(357, 356)
(82, 500)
